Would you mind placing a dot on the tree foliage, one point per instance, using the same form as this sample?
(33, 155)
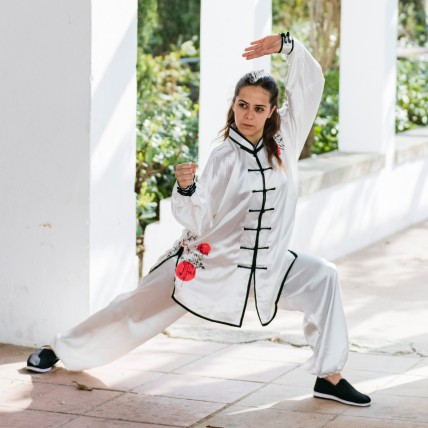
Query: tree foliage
(309, 20)
(147, 22)
(317, 23)
(412, 23)
(318, 27)
(326, 127)
(167, 101)
(167, 128)
(412, 94)
(165, 24)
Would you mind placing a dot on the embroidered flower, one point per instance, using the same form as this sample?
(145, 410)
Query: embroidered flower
(191, 257)
(204, 248)
(185, 271)
(278, 150)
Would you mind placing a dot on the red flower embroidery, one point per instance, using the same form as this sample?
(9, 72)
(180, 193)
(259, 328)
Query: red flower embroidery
(185, 271)
(278, 150)
(204, 248)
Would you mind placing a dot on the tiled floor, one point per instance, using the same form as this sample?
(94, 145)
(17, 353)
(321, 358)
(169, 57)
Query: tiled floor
(232, 386)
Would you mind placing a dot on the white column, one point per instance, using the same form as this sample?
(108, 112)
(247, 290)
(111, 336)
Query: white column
(67, 104)
(227, 28)
(113, 260)
(368, 75)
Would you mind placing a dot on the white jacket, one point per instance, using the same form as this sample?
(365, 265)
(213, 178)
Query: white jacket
(239, 220)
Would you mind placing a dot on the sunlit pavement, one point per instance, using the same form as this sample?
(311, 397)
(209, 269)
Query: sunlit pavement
(200, 374)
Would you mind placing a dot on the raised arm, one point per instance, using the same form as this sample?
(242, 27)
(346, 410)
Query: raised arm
(304, 85)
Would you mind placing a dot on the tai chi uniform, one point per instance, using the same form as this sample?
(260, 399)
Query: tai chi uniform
(238, 219)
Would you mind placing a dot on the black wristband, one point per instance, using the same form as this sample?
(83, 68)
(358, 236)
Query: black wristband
(285, 38)
(188, 191)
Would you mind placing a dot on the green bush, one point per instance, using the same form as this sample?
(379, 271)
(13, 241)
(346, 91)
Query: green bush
(412, 23)
(164, 24)
(327, 121)
(412, 94)
(167, 128)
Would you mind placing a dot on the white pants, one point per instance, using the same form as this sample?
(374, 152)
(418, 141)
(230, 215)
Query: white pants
(312, 286)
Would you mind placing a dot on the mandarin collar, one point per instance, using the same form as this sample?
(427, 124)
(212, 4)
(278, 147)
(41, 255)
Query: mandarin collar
(243, 142)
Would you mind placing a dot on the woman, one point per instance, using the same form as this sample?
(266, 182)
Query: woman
(238, 219)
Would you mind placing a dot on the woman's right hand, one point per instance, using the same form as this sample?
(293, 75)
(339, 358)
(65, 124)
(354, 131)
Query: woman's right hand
(185, 174)
(266, 46)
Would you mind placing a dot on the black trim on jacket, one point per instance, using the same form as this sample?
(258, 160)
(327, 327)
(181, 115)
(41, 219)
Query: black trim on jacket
(280, 289)
(253, 267)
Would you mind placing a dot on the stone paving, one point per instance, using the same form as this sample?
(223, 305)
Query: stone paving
(199, 374)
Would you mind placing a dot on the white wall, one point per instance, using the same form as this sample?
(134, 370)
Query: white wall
(67, 157)
(344, 218)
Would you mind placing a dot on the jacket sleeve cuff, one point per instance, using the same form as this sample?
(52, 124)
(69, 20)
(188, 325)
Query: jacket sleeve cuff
(287, 43)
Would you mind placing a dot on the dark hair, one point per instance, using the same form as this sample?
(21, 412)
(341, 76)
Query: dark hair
(267, 82)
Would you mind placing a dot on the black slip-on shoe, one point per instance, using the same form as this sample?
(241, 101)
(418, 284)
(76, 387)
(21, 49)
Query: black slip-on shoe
(42, 360)
(343, 392)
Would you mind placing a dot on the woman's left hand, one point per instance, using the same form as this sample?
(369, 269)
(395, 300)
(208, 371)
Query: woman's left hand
(266, 46)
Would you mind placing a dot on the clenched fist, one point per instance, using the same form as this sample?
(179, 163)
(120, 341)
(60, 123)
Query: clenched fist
(185, 173)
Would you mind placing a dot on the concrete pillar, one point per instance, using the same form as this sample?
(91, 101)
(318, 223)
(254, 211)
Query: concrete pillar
(67, 143)
(368, 76)
(227, 28)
